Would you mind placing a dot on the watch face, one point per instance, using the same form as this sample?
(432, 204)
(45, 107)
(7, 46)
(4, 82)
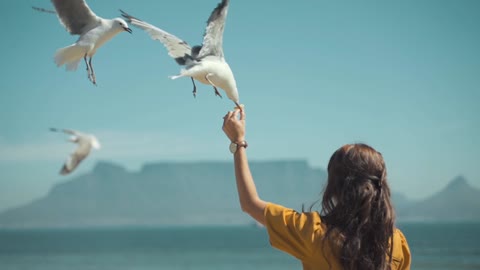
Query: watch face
(233, 148)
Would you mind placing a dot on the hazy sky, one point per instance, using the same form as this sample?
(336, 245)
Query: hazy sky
(402, 76)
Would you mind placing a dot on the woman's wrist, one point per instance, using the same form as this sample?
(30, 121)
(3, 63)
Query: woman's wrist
(239, 140)
(235, 146)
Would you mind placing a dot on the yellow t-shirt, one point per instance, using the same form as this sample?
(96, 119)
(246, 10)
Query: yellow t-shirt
(300, 234)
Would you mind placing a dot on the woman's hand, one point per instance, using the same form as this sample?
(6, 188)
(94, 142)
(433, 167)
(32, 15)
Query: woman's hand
(233, 126)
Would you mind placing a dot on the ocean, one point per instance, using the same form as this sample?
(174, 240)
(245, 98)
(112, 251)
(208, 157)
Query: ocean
(433, 246)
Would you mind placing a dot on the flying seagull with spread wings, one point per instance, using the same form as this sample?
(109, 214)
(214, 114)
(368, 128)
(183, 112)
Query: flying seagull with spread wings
(85, 144)
(205, 63)
(94, 31)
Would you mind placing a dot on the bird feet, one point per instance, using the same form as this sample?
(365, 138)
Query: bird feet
(91, 77)
(94, 80)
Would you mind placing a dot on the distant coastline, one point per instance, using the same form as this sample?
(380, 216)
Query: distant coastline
(170, 195)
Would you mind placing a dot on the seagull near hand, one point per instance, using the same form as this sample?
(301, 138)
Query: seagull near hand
(205, 63)
(85, 144)
(94, 31)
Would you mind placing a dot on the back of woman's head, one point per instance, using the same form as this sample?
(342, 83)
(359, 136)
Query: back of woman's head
(357, 210)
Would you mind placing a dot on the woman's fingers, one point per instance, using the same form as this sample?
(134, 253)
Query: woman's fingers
(232, 117)
(234, 125)
(227, 116)
(242, 115)
(236, 113)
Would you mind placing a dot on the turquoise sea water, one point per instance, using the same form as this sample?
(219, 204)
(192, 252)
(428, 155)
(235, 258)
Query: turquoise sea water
(434, 246)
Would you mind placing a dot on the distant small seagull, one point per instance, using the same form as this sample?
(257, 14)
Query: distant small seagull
(85, 144)
(205, 63)
(94, 31)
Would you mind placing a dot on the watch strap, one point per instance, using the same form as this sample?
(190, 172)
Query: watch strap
(242, 144)
(234, 146)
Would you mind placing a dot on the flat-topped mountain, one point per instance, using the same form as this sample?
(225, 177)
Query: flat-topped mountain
(164, 194)
(204, 193)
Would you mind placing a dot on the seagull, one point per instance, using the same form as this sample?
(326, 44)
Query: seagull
(94, 31)
(204, 63)
(85, 144)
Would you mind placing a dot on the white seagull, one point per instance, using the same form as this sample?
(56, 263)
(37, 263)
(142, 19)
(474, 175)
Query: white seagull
(85, 144)
(94, 31)
(205, 63)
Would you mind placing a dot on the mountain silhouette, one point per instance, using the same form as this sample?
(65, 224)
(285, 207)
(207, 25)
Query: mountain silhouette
(458, 201)
(164, 194)
(204, 193)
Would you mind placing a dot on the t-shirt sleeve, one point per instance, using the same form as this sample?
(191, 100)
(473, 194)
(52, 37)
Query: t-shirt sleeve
(290, 231)
(406, 252)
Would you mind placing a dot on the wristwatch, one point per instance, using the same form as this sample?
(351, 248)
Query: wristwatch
(234, 146)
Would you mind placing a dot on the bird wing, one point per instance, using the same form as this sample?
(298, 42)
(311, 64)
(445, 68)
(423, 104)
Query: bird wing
(68, 131)
(44, 10)
(76, 157)
(177, 48)
(75, 15)
(72, 132)
(213, 37)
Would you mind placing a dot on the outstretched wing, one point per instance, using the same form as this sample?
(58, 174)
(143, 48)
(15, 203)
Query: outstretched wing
(213, 37)
(75, 15)
(68, 131)
(44, 10)
(176, 47)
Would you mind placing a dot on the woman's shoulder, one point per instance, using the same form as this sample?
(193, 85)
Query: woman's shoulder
(276, 209)
(401, 251)
(398, 234)
(276, 213)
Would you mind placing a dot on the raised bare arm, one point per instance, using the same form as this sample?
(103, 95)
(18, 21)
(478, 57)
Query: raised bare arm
(250, 202)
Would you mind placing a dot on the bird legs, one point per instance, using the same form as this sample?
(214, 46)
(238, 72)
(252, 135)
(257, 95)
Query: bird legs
(90, 72)
(217, 93)
(194, 88)
(214, 87)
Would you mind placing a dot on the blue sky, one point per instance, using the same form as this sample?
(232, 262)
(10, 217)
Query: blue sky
(402, 76)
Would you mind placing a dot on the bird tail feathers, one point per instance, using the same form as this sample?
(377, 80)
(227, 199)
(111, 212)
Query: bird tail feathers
(69, 56)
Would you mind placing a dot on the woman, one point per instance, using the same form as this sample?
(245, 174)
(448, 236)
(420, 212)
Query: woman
(355, 229)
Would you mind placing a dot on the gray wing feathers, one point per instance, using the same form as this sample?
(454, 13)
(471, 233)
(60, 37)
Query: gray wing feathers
(72, 132)
(75, 15)
(44, 10)
(67, 131)
(176, 47)
(213, 38)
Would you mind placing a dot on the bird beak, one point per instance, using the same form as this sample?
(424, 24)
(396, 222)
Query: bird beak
(128, 30)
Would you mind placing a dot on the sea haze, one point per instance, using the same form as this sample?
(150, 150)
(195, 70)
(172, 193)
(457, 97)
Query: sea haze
(204, 193)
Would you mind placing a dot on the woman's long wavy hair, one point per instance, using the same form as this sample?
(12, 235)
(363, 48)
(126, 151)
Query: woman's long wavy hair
(357, 210)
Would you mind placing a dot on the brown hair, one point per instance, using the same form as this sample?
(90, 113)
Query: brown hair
(357, 210)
